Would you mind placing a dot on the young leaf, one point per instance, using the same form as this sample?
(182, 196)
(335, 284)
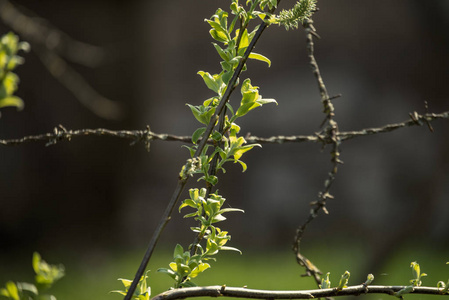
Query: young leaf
(197, 134)
(10, 291)
(179, 251)
(225, 210)
(211, 82)
(325, 282)
(260, 57)
(225, 56)
(230, 249)
(46, 274)
(12, 101)
(199, 269)
(169, 272)
(343, 281)
(240, 150)
(218, 36)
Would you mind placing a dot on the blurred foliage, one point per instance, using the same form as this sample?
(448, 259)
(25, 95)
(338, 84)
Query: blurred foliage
(46, 276)
(9, 60)
(92, 276)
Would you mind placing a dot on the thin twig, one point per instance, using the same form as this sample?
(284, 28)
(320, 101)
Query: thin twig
(330, 135)
(79, 87)
(156, 235)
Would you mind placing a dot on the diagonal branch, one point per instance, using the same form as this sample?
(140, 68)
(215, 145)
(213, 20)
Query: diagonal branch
(185, 172)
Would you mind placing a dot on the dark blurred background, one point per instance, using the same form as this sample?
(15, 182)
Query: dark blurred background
(98, 194)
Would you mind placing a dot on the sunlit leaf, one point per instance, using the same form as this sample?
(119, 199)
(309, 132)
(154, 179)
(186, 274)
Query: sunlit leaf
(199, 269)
(218, 35)
(260, 57)
(230, 249)
(12, 101)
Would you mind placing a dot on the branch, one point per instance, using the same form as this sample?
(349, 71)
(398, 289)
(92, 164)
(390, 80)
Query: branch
(186, 170)
(235, 292)
(328, 135)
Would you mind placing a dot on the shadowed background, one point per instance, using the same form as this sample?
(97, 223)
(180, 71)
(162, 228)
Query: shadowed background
(95, 195)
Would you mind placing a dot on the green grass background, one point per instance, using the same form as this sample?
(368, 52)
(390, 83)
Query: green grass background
(93, 275)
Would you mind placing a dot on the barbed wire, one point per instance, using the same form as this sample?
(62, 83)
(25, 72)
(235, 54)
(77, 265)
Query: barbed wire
(60, 133)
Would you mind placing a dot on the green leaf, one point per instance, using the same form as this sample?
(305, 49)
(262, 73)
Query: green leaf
(218, 36)
(325, 282)
(12, 101)
(260, 57)
(197, 134)
(8, 85)
(216, 136)
(217, 218)
(343, 281)
(169, 272)
(10, 291)
(227, 75)
(244, 166)
(226, 210)
(211, 247)
(192, 150)
(126, 282)
(226, 248)
(178, 250)
(221, 52)
(119, 292)
(215, 25)
(201, 113)
(245, 108)
(266, 101)
(238, 153)
(212, 82)
(187, 202)
(199, 269)
(244, 42)
(46, 274)
(187, 283)
(212, 179)
(28, 288)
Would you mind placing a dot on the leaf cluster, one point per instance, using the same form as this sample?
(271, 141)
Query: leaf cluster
(235, 41)
(142, 292)
(46, 276)
(9, 60)
(207, 211)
